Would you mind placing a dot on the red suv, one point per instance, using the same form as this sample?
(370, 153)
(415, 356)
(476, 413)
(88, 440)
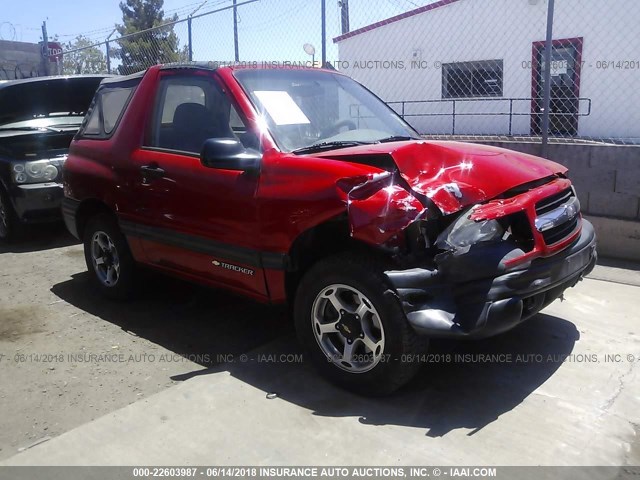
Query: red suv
(301, 186)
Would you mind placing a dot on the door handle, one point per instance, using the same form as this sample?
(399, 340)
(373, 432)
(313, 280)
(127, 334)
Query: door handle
(151, 172)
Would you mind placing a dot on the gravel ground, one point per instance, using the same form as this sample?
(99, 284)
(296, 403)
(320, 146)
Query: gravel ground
(68, 356)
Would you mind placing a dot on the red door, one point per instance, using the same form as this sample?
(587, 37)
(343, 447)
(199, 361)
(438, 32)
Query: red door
(199, 221)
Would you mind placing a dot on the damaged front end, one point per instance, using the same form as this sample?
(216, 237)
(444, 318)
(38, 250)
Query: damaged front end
(498, 264)
(480, 270)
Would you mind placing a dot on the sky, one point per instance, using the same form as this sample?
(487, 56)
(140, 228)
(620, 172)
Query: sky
(267, 29)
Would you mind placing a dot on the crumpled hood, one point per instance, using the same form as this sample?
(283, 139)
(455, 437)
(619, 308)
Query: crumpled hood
(454, 175)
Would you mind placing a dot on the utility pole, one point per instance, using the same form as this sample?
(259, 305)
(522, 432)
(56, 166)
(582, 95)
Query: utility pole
(324, 33)
(235, 30)
(45, 47)
(108, 48)
(546, 101)
(344, 15)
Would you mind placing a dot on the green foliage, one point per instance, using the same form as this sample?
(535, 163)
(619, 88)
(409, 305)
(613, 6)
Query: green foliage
(142, 50)
(88, 60)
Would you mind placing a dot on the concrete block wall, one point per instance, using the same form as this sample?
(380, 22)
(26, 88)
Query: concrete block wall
(606, 177)
(21, 56)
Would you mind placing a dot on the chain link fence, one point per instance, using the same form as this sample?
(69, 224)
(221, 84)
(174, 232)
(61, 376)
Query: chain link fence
(482, 68)
(532, 70)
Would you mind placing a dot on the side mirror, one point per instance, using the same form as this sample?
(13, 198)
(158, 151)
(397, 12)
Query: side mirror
(229, 154)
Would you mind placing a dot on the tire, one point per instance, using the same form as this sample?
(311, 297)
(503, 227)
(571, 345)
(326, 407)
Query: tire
(109, 260)
(9, 226)
(358, 284)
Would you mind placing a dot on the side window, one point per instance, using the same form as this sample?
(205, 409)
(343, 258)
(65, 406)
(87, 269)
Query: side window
(106, 110)
(178, 94)
(191, 109)
(113, 103)
(240, 130)
(236, 123)
(92, 125)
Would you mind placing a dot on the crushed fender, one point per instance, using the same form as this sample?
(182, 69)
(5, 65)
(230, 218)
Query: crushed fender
(378, 207)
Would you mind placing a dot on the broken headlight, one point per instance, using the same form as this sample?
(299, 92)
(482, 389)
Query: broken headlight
(465, 232)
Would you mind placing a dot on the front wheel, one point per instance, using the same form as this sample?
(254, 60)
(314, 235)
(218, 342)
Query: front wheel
(353, 328)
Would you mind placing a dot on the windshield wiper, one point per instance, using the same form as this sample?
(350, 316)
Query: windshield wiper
(317, 147)
(396, 138)
(28, 129)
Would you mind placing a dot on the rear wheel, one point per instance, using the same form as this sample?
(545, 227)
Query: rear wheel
(353, 328)
(108, 258)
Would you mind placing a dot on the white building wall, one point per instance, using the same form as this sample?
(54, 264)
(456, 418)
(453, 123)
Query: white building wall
(611, 31)
(471, 30)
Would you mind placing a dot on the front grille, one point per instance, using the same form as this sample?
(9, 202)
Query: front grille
(554, 201)
(554, 235)
(559, 232)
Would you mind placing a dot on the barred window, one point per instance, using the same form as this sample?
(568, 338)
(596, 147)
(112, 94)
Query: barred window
(472, 79)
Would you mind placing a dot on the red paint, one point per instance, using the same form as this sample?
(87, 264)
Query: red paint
(267, 211)
(377, 208)
(454, 175)
(527, 202)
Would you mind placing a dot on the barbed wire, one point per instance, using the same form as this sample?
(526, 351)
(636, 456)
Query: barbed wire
(12, 29)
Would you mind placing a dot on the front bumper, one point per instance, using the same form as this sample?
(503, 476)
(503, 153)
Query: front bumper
(37, 202)
(447, 302)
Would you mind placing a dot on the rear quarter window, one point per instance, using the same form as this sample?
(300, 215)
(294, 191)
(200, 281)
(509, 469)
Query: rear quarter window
(92, 122)
(113, 103)
(106, 111)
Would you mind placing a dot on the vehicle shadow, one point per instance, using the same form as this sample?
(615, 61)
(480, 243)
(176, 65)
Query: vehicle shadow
(462, 384)
(203, 325)
(35, 238)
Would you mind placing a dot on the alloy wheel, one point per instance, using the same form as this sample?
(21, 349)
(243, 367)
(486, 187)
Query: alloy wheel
(348, 328)
(105, 258)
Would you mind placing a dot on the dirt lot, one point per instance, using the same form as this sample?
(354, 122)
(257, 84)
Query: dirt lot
(68, 356)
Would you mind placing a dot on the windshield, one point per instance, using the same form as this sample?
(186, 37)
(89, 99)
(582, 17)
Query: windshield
(43, 103)
(307, 108)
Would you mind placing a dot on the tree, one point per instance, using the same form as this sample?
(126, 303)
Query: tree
(149, 47)
(88, 60)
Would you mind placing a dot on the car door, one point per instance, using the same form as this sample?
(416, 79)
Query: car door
(200, 222)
